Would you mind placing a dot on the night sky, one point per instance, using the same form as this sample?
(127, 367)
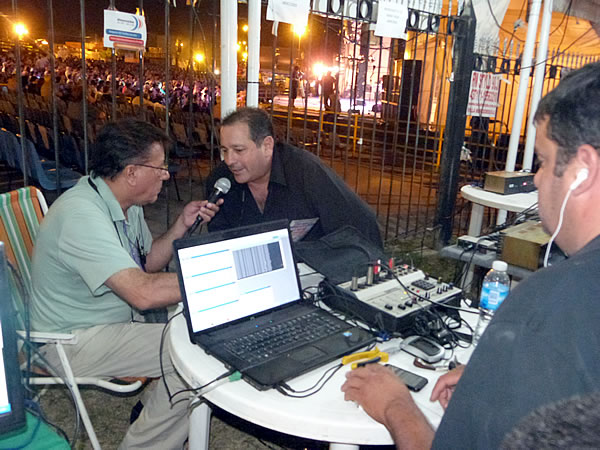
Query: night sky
(67, 23)
(67, 19)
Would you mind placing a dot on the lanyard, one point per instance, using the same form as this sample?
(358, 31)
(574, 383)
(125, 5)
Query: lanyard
(135, 250)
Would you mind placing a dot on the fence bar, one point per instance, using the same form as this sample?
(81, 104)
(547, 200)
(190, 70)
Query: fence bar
(142, 80)
(113, 78)
(53, 89)
(84, 90)
(21, 109)
(455, 122)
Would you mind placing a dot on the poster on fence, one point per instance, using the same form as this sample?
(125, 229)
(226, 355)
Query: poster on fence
(124, 30)
(294, 12)
(391, 19)
(483, 95)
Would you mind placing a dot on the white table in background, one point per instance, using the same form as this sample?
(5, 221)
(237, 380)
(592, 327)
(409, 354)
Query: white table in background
(325, 416)
(481, 198)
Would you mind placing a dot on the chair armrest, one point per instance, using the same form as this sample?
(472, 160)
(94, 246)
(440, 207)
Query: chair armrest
(48, 337)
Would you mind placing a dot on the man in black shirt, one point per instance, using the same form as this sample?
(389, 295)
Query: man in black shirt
(277, 181)
(542, 344)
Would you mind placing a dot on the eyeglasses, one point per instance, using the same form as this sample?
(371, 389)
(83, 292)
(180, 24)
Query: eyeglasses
(163, 167)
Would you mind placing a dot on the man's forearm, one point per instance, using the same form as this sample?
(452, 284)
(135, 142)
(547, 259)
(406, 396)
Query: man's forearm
(408, 426)
(145, 290)
(162, 248)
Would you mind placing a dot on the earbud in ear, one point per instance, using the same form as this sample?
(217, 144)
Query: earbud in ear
(582, 175)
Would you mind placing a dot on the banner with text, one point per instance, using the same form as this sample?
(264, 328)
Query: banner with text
(483, 95)
(391, 19)
(124, 30)
(294, 12)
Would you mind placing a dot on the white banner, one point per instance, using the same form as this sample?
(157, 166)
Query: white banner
(124, 30)
(483, 95)
(489, 14)
(294, 12)
(391, 19)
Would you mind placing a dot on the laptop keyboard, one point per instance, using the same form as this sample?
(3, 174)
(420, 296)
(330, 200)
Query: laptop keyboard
(272, 341)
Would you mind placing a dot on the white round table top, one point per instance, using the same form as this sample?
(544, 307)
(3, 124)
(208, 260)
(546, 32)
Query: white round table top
(325, 416)
(511, 202)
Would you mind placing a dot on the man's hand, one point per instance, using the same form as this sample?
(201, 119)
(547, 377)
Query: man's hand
(386, 399)
(375, 388)
(200, 207)
(445, 385)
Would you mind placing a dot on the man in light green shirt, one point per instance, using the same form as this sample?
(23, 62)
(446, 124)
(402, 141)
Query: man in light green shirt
(95, 265)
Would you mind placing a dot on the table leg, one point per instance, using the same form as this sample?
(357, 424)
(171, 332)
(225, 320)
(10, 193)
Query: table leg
(476, 220)
(501, 218)
(475, 225)
(334, 446)
(199, 426)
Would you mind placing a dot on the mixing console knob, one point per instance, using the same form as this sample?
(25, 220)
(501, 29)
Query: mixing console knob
(388, 306)
(354, 284)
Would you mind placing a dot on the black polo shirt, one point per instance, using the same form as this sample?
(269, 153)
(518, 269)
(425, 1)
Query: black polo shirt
(300, 187)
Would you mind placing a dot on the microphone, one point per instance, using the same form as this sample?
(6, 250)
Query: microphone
(222, 186)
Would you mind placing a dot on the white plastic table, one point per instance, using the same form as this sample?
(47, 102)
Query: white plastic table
(481, 198)
(325, 416)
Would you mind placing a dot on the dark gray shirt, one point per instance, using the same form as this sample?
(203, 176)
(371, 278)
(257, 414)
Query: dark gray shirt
(300, 187)
(541, 346)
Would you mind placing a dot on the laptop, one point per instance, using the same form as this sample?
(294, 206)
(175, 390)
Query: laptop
(243, 305)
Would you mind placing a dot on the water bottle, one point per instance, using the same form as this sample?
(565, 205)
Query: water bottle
(496, 285)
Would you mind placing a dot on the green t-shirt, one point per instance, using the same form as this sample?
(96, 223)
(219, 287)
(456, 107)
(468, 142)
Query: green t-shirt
(81, 243)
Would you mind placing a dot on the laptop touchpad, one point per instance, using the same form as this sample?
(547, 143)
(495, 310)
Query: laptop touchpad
(307, 354)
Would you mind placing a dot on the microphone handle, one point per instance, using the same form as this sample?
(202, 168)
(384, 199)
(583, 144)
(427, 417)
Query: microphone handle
(212, 199)
(194, 226)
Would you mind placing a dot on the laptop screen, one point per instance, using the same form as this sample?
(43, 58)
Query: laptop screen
(237, 277)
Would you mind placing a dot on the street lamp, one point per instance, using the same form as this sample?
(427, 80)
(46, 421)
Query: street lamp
(245, 28)
(299, 30)
(20, 30)
(199, 57)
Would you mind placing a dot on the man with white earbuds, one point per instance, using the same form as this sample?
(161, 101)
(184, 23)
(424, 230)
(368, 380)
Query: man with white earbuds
(542, 344)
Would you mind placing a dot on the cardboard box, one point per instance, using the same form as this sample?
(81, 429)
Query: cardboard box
(523, 245)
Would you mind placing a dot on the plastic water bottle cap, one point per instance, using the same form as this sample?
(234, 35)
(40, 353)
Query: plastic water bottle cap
(500, 266)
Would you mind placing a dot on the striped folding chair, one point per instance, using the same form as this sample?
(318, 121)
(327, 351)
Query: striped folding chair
(21, 212)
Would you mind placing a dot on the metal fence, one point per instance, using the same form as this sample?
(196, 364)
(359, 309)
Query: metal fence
(379, 121)
(487, 138)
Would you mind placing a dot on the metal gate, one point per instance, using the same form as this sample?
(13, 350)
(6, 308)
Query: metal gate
(375, 109)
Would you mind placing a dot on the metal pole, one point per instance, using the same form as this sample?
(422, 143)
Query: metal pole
(455, 121)
(167, 85)
(53, 93)
(538, 81)
(229, 10)
(515, 133)
(212, 90)
(253, 67)
(20, 108)
(84, 86)
(113, 78)
(190, 77)
(142, 78)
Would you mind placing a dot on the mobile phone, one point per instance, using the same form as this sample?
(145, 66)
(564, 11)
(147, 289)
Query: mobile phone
(413, 381)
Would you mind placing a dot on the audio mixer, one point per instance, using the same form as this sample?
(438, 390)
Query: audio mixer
(380, 301)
